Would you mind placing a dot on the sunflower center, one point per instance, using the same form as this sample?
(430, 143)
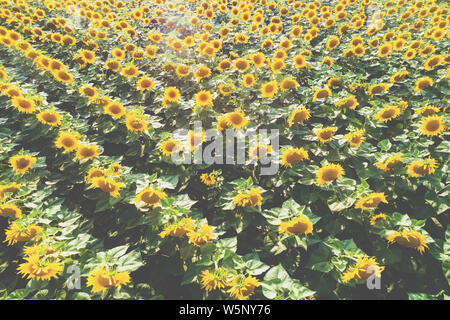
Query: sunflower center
(150, 197)
(22, 163)
(330, 174)
(433, 125)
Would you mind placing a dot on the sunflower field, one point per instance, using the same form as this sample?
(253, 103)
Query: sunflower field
(92, 205)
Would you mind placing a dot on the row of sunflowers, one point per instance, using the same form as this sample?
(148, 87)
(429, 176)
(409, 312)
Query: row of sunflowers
(92, 205)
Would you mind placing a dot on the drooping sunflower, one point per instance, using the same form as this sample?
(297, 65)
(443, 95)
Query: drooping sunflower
(214, 280)
(40, 268)
(20, 232)
(427, 111)
(107, 184)
(293, 156)
(150, 197)
(12, 188)
(298, 116)
(10, 210)
(423, 83)
(50, 118)
(370, 201)
(355, 138)
(376, 218)
(242, 287)
(325, 134)
(409, 238)
(329, 173)
(349, 102)
(378, 89)
(321, 94)
(201, 236)
(22, 163)
(297, 226)
(208, 179)
(102, 279)
(135, 122)
(390, 162)
(362, 269)
(86, 151)
(177, 229)
(388, 113)
(418, 168)
(432, 125)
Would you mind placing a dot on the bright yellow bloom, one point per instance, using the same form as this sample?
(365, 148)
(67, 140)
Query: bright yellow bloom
(299, 225)
(21, 163)
(329, 173)
(409, 239)
(371, 201)
(101, 279)
(362, 269)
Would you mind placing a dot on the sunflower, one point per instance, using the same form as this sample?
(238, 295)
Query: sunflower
(427, 111)
(321, 94)
(359, 51)
(384, 50)
(135, 122)
(248, 80)
(202, 236)
(433, 62)
(371, 201)
(118, 53)
(23, 104)
(269, 89)
(114, 109)
(418, 168)
(249, 198)
(236, 119)
(208, 179)
(242, 287)
(423, 83)
(63, 76)
(130, 71)
(432, 125)
(299, 61)
(325, 134)
(296, 226)
(364, 268)
(177, 229)
(224, 65)
(95, 173)
(145, 83)
(107, 185)
(40, 268)
(388, 113)
(390, 162)
(10, 210)
(150, 197)
(222, 123)
(292, 156)
(398, 76)
(101, 279)
(350, 102)
(86, 151)
(203, 99)
(11, 188)
(214, 280)
(21, 163)
(409, 239)
(298, 116)
(171, 94)
(288, 83)
(259, 151)
(355, 138)
(328, 173)
(89, 91)
(378, 88)
(50, 118)
(202, 72)
(169, 146)
(332, 43)
(182, 70)
(377, 218)
(113, 65)
(19, 232)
